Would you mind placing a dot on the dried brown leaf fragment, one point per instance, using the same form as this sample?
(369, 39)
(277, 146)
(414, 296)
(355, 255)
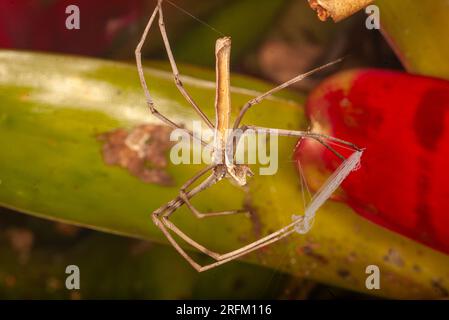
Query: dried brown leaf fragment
(337, 9)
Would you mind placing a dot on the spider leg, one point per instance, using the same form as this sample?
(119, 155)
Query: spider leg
(160, 219)
(161, 216)
(273, 237)
(186, 198)
(149, 99)
(305, 134)
(265, 95)
(174, 67)
(292, 227)
(300, 224)
(157, 221)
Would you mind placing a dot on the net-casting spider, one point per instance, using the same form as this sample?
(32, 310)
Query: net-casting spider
(223, 153)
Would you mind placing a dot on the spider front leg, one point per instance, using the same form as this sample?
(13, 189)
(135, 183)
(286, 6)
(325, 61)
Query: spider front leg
(175, 71)
(149, 99)
(263, 96)
(160, 219)
(305, 134)
(284, 85)
(161, 216)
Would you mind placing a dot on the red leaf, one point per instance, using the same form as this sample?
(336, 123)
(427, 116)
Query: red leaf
(402, 120)
(40, 25)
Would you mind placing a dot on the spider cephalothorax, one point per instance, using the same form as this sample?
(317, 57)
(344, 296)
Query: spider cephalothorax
(238, 173)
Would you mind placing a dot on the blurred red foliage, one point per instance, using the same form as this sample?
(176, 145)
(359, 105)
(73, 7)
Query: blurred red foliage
(403, 122)
(40, 24)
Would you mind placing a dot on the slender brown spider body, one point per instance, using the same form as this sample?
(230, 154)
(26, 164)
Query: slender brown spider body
(226, 137)
(224, 148)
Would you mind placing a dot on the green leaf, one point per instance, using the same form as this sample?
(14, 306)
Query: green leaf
(237, 18)
(418, 32)
(53, 111)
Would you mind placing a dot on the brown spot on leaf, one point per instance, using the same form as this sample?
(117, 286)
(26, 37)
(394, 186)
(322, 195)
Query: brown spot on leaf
(352, 257)
(394, 257)
(343, 273)
(437, 285)
(300, 289)
(141, 151)
(309, 250)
